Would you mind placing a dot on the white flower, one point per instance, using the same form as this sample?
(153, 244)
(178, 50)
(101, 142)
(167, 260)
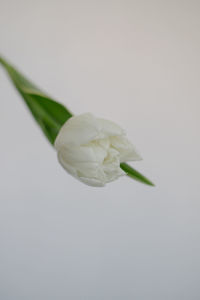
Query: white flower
(91, 149)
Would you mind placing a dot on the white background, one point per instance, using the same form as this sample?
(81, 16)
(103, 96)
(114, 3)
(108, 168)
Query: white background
(136, 63)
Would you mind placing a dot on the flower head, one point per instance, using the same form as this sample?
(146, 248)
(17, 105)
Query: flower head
(91, 149)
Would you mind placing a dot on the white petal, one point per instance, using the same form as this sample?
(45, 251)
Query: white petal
(82, 162)
(78, 130)
(110, 128)
(69, 168)
(76, 156)
(92, 182)
(126, 149)
(76, 173)
(111, 165)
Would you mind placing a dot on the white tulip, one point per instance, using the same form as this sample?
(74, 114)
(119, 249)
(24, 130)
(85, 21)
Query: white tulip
(91, 149)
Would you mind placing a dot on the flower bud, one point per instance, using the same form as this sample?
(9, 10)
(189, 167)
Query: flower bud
(91, 149)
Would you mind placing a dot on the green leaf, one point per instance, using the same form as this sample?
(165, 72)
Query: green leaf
(49, 114)
(135, 174)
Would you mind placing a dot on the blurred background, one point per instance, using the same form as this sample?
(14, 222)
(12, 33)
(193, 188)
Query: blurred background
(138, 64)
